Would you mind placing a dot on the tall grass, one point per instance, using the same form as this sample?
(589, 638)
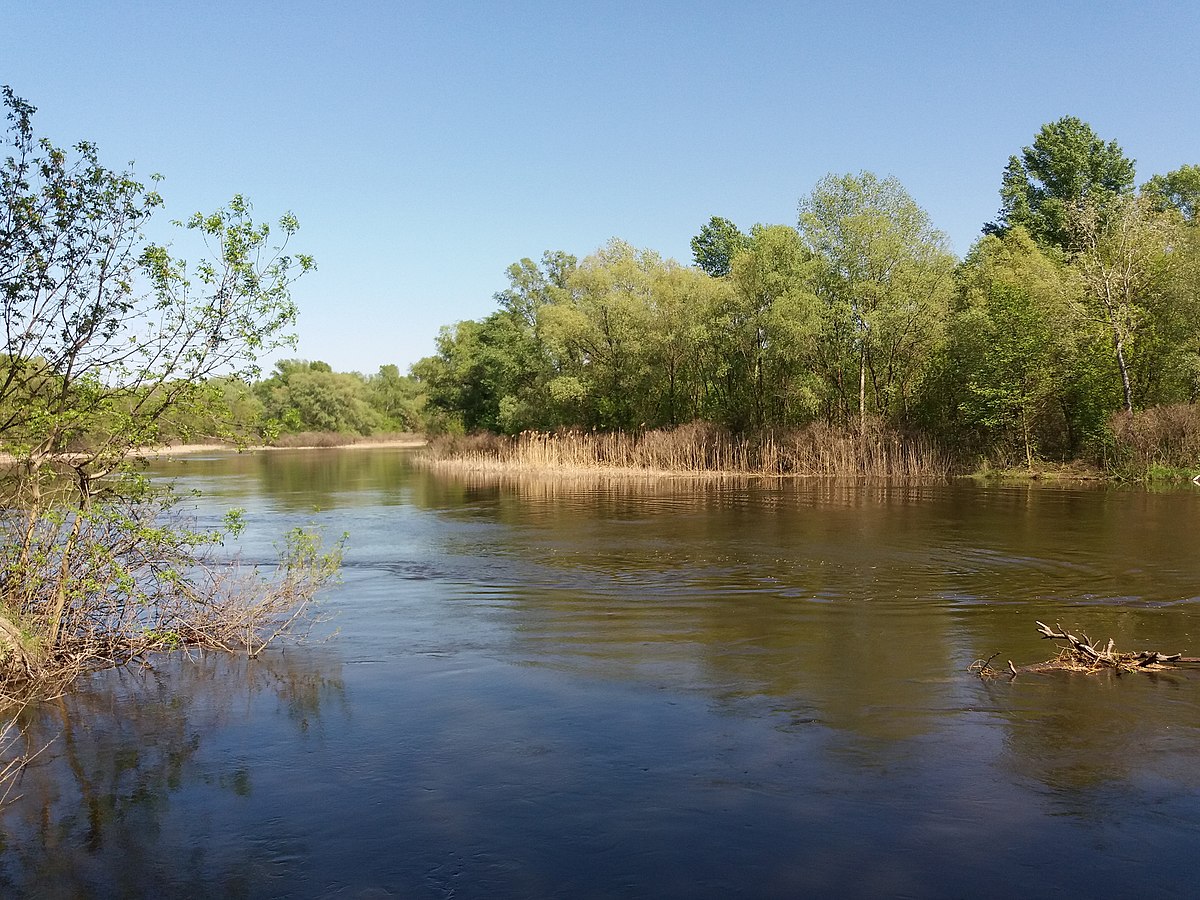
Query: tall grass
(816, 450)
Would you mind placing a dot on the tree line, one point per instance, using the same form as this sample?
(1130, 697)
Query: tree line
(1077, 303)
(302, 396)
(1075, 307)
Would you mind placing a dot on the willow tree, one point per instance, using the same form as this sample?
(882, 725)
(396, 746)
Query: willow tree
(600, 336)
(885, 284)
(107, 337)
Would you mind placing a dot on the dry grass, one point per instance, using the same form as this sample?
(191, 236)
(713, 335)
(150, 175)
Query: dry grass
(1156, 439)
(818, 450)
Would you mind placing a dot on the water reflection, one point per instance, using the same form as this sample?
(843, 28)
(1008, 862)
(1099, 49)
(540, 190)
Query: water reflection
(297, 479)
(140, 768)
(1075, 732)
(680, 687)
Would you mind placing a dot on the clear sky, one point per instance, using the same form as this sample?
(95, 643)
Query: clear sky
(425, 146)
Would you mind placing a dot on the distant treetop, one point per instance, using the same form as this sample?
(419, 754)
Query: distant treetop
(1068, 166)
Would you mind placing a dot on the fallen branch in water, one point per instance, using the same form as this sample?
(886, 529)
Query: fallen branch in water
(1082, 654)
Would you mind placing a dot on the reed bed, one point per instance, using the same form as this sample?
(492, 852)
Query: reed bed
(818, 450)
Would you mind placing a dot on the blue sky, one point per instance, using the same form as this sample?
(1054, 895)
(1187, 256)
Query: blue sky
(425, 146)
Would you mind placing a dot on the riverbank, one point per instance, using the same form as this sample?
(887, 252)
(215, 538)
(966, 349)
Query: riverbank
(320, 442)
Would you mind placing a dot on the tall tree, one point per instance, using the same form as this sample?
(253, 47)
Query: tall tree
(1026, 359)
(1067, 166)
(601, 332)
(530, 286)
(885, 284)
(716, 246)
(771, 324)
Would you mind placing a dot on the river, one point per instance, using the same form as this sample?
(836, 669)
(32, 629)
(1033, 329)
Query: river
(584, 687)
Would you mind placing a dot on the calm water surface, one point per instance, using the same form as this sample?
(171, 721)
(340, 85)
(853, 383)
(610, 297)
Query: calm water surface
(584, 688)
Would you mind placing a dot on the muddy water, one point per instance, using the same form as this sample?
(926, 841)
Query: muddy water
(577, 688)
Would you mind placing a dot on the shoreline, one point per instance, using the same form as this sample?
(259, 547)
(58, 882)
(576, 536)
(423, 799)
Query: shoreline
(190, 449)
(169, 450)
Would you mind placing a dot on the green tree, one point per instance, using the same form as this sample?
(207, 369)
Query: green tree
(1134, 264)
(397, 399)
(479, 376)
(1067, 167)
(599, 334)
(1178, 190)
(107, 338)
(1027, 376)
(716, 246)
(885, 281)
(769, 328)
(530, 286)
(495, 373)
(310, 396)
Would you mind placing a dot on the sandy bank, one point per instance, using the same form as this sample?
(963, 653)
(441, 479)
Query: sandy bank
(186, 449)
(189, 449)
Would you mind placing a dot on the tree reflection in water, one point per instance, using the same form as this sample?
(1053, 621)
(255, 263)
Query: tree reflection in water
(563, 687)
(133, 753)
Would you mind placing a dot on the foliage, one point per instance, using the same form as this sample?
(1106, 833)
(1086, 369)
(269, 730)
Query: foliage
(310, 396)
(1067, 166)
(396, 399)
(885, 286)
(1023, 351)
(717, 245)
(770, 323)
(1178, 190)
(1138, 285)
(1078, 303)
(112, 344)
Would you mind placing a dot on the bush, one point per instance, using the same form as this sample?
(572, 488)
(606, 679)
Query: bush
(1155, 441)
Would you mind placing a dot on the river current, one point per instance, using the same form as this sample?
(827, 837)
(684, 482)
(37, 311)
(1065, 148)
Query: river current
(590, 687)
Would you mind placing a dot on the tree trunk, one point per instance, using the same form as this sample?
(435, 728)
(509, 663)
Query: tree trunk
(862, 391)
(1121, 364)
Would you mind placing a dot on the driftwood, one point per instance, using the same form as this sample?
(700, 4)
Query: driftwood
(1081, 654)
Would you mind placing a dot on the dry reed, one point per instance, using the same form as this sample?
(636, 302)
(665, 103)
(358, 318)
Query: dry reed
(817, 450)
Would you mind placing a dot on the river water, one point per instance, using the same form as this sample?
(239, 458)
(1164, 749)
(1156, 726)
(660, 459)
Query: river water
(615, 688)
